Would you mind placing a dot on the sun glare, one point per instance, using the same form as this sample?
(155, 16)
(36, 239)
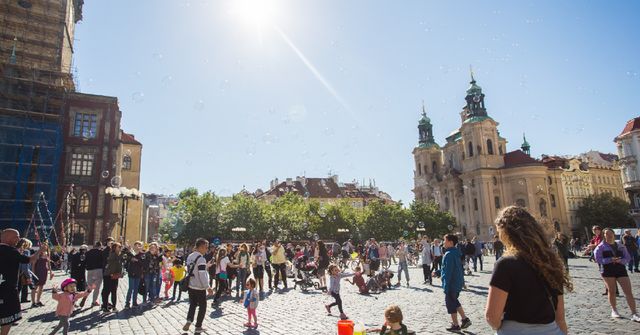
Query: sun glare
(254, 12)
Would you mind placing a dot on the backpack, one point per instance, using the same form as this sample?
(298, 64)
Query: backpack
(184, 283)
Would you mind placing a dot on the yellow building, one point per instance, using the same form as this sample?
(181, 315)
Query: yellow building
(473, 177)
(130, 157)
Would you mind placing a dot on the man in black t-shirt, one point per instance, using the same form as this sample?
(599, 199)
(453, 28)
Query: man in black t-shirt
(498, 247)
(79, 269)
(11, 260)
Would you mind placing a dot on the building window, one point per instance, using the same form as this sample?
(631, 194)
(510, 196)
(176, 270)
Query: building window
(126, 162)
(82, 164)
(543, 207)
(549, 180)
(434, 167)
(475, 204)
(85, 125)
(84, 204)
(490, 147)
(553, 200)
(497, 201)
(419, 169)
(495, 181)
(470, 149)
(500, 149)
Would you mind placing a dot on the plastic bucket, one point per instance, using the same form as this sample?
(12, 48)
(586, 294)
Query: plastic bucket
(345, 327)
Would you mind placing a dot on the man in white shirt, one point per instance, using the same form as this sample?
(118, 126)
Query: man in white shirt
(198, 284)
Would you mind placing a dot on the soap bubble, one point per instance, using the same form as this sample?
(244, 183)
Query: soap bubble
(450, 227)
(268, 138)
(167, 80)
(405, 233)
(410, 224)
(198, 105)
(186, 217)
(421, 224)
(137, 97)
(116, 181)
(316, 237)
(174, 235)
(105, 174)
(309, 234)
(158, 56)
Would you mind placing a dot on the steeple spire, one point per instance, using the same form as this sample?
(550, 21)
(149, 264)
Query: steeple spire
(473, 80)
(12, 58)
(526, 148)
(424, 111)
(425, 129)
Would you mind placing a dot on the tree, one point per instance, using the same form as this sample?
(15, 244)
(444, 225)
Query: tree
(428, 215)
(193, 217)
(604, 210)
(384, 221)
(245, 212)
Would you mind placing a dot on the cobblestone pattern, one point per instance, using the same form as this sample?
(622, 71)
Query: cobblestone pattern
(294, 312)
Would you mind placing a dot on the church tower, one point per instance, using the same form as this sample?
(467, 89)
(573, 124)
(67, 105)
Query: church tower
(428, 160)
(483, 147)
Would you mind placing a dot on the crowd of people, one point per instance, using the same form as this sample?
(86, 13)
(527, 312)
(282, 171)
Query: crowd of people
(525, 294)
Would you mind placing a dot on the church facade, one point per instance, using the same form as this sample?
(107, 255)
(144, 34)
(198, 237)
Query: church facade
(473, 176)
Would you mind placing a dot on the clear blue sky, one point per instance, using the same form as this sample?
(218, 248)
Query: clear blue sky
(222, 95)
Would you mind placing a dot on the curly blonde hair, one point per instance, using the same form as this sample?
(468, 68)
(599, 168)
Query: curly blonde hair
(523, 236)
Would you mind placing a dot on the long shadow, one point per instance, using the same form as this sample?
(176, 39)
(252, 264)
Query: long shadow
(251, 332)
(89, 321)
(478, 287)
(421, 289)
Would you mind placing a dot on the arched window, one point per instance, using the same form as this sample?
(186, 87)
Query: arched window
(475, 204)
(126, 162)
(470, 149)
(84, 204)
(553, 200)
(434, 167)
(490, 147)
(549, 180)
(419, 169)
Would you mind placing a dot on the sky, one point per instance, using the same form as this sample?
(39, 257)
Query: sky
(231, 94)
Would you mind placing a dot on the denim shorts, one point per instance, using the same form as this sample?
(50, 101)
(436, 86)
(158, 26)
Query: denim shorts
(452, 302)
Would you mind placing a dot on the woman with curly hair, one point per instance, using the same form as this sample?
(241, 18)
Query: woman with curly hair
(526, 292)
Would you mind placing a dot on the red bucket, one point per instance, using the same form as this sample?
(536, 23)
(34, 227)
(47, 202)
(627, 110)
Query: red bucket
(345, 327)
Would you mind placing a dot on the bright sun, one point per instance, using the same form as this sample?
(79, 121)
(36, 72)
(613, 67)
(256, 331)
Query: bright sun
(254, 12)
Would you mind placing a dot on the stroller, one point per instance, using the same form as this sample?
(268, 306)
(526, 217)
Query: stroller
(307, 272)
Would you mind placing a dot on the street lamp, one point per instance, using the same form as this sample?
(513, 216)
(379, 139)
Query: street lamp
(125, 194)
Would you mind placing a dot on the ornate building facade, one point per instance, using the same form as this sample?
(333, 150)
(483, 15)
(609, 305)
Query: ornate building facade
(628, 144)
(473, 176)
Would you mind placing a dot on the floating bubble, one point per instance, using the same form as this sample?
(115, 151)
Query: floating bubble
(224, 85)
(405, 233)
(116, 181)
(297, 113)
(322, 213)
(105, 174)
(198, 105)
(268, 138)
(188, 162)
(137, 97)
(158, 56)
(167, 80)
(174, 235)
(328, 131)
(410, 224)
(421, 224)
(450, 227)
(187, 217)
(250, 150)
(521, 182)
(127, 152)
(309, 234)
(316, 237)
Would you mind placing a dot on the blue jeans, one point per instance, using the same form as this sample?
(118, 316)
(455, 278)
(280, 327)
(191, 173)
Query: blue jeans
(151, 283)
(159, 281)
(240, 280)
(509, 327)
(634, 260)
(134, 284)
(403, 266)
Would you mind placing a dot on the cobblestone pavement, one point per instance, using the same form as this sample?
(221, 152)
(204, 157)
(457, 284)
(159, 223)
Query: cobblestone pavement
(294, 312)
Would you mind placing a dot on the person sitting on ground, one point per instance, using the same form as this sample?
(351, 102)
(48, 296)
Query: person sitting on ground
(359, 281)
(393, 323)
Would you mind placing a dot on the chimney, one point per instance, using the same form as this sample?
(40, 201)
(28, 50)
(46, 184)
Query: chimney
(302, 180)
(335, 178)
(289, 182)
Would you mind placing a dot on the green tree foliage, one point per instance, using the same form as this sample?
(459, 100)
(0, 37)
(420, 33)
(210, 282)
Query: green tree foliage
(292, 217)
(604, 210)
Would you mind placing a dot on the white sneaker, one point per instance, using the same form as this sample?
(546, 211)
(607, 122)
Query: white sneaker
(615, 314)
(635, 318)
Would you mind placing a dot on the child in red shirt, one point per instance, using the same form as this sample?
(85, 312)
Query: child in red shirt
(359, 281)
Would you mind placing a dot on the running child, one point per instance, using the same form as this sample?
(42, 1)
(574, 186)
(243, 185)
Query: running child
(251, 303)
(334, 290)
(66, 299)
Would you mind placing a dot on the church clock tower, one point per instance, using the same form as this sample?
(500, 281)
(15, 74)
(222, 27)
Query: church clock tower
(428, 160)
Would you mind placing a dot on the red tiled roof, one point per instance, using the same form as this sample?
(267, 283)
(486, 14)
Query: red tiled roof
(554, 161)
(518, 158)
(631, 125)
(129, 139)
(609, 157)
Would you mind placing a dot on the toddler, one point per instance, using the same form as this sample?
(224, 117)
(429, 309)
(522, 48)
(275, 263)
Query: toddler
(66, 299)
(178, 272)
(359, 281)
(393, 322)
(251, 303)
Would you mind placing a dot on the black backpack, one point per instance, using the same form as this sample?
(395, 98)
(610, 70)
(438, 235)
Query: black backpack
(184, 283)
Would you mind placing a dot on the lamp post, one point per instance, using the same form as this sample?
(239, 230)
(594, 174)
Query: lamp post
(125, 194)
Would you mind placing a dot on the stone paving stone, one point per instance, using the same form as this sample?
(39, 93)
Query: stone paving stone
(295, 312)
